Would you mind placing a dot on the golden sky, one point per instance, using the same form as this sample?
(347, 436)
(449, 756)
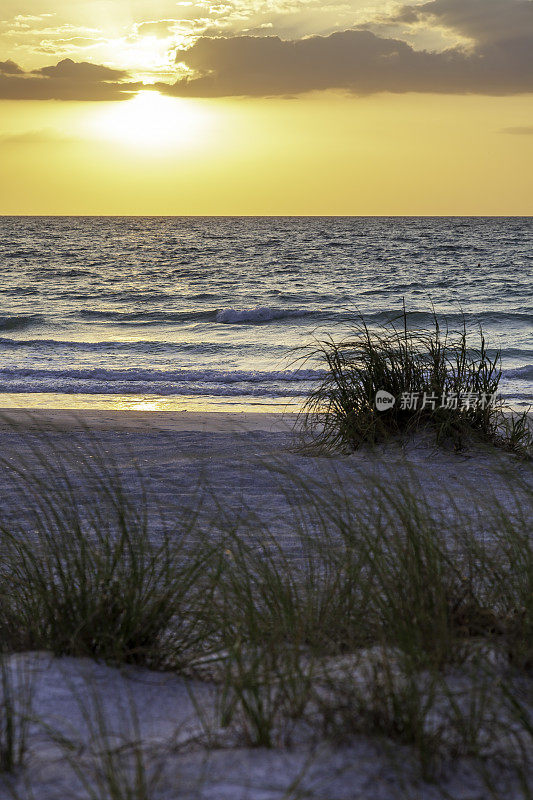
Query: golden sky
(278, 107)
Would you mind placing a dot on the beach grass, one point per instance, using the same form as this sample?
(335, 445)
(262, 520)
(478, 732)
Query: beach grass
(395, 620)
(445, 382)
(388, 604)
(87, 578)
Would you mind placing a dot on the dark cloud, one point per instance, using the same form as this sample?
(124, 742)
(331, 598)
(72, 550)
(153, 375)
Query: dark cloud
(81, 71)
(357, 61)
(10, 68)
(406, 14)
(484, 21)
(68, 80)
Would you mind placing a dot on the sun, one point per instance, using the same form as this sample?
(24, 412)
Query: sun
(152, 122)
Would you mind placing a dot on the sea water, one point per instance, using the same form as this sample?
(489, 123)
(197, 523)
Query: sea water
(168, 312)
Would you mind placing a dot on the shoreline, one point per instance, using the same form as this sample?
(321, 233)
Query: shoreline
(172, 420)
(53, 401)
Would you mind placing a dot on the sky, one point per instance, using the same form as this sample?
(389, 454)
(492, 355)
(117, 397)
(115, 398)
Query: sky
(365, 107)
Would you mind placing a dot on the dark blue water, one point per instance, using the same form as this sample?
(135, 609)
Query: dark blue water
(161, 310)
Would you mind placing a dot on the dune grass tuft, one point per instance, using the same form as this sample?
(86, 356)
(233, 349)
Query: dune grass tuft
(93, 575)
(391, 603)
(453, 378)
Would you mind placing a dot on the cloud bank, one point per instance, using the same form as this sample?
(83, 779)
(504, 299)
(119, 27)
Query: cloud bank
(67, 80)
(494, 57)
(358, 61)
(500, 60)
(484, 21)
(10, 68)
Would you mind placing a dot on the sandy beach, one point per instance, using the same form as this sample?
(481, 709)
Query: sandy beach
(176, 421)
(246, 461)
(238, 456)
(250, 466)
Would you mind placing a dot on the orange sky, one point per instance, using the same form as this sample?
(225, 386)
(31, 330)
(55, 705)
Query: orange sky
(245, 108)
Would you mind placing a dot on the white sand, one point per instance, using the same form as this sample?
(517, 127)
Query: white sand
(239, 456)
(187, 756)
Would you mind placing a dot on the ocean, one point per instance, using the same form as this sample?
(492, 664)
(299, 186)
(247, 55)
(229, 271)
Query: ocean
(176, 312)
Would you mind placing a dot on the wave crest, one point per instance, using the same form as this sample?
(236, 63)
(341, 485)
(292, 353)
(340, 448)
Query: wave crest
(167, 376)
(257, 314)
(520, 373)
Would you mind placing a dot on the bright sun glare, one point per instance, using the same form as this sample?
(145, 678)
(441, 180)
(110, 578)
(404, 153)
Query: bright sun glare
(152, 122)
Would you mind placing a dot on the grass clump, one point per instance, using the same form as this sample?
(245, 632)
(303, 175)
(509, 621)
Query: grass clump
(398, 620)
(265, 689)
(90, 574)
(508, 577)
(373, 562)
(446, 382)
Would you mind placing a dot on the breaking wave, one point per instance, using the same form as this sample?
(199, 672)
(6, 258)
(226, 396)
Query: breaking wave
(143, 381)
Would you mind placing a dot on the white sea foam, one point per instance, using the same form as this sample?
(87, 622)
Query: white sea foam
(172, 389)
(167, 376)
